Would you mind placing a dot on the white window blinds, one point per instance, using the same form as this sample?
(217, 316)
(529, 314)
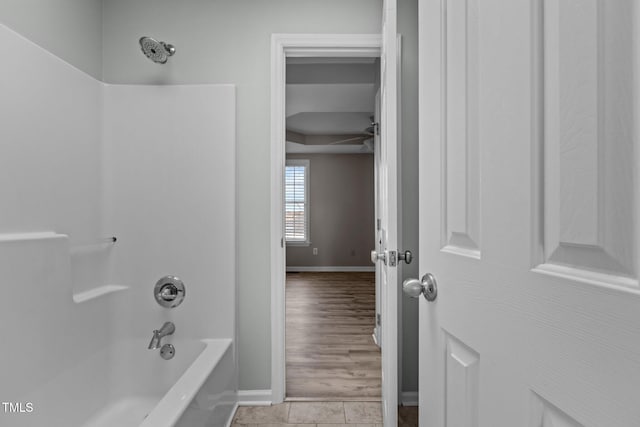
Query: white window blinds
(296, 201)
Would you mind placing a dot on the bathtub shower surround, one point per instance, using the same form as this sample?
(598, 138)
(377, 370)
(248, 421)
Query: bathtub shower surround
(81, 161)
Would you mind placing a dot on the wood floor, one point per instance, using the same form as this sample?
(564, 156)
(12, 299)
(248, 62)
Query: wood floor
(330, 353)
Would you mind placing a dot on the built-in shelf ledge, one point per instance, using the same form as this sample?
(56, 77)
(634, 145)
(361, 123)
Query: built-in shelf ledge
(81, 297)
(96, 246)
(21, 237)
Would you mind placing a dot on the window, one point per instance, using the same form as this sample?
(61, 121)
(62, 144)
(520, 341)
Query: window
(296, 202)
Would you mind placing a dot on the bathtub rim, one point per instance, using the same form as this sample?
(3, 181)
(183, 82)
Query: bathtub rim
(173, 404)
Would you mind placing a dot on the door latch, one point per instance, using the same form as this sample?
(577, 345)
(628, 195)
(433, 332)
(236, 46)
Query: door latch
(393, 259)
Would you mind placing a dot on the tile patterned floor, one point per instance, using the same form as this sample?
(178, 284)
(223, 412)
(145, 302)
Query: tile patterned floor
(320, 414)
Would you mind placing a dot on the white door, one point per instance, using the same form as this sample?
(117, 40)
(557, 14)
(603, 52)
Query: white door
(388, 179)
(529, 219)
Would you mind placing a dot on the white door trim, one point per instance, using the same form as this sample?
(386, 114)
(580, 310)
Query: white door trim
(283, 46)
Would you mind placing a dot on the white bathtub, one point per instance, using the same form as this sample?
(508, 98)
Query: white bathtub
(127, 385)
(195, 388)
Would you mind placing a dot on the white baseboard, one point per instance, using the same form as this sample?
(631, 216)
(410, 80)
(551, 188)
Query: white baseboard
(254, 397)
(409, 398)
(336, 269)
(233, 414)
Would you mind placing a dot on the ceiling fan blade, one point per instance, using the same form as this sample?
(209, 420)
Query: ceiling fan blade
(344, 141)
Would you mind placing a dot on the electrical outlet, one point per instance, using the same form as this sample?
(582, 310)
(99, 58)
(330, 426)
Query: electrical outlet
(315, 251)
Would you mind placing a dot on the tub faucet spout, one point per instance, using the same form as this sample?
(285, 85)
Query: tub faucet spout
(167, 329)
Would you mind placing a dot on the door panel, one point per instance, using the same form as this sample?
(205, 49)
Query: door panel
(587, 140)
(462, 370)
(545, 414)
(529, 154)
(460, 157)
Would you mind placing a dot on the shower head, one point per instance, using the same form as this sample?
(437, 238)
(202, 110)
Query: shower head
(156, 51)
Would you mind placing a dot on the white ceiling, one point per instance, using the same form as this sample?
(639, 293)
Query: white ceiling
(330, 96)
(331, 73)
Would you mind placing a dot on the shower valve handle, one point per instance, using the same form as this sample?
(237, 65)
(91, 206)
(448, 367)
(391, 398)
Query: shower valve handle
(169, 291)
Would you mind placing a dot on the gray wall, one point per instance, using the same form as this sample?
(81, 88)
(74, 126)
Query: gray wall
(341, 211)
(228, 41)
(70, 29)
(408, 27)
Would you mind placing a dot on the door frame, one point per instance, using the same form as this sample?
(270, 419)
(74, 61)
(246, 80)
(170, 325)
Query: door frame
(282, 47)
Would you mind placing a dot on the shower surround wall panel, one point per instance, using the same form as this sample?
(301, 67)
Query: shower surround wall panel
(154, 166)
(170, 191)
(50, 180)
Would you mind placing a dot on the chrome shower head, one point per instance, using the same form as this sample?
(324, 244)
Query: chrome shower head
(158, 52)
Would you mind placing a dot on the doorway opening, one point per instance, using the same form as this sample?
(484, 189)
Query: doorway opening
(329, 212)
(285, 47)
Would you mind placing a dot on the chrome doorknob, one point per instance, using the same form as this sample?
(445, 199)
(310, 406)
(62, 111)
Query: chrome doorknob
(427, 287)
(375, 257)
(405, 256)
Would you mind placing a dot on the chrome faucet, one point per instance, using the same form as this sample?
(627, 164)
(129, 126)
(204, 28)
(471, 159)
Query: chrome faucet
(167, 329)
